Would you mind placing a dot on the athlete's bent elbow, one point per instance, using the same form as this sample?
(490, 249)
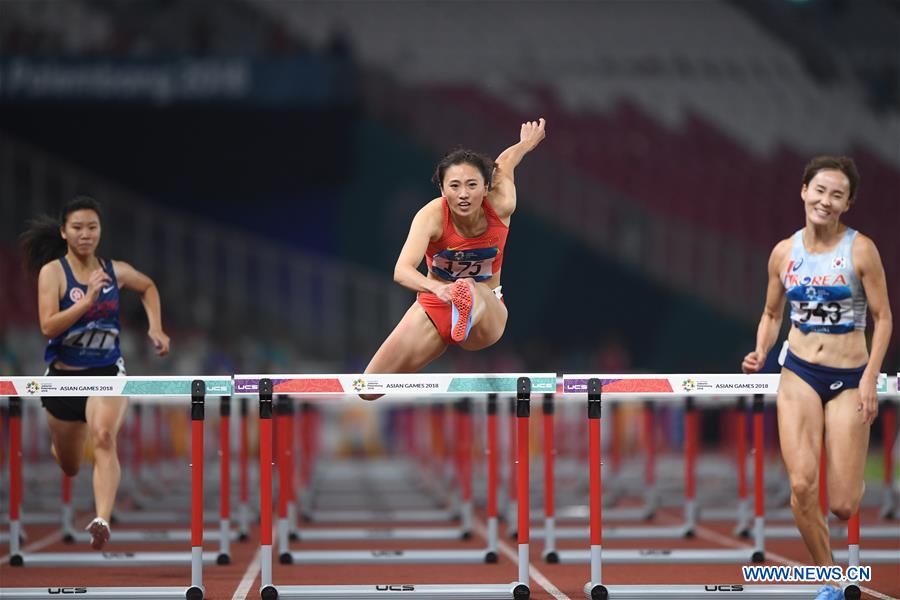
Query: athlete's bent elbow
(400, 275)
(151, 287)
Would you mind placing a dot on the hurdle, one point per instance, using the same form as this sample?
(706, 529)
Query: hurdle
(855, 555)
(382, 515)
(393, 477)
(646, 485)
(323, 496)
(581, 513)
(890, 505)
(167, 387)
(886, 510)
(348, 516)
(400, 385)
(333, 484)
(463, 420)
(651, 496)
(224, 534)
(244, 473)
(163, 502)
(691, 385)
(286, 556)
(550, 533)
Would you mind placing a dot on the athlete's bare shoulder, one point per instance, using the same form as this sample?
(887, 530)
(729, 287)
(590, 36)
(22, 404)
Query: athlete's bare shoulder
(432, 214)
(435, 207)
(863, 242)
(52, 277)
(52, 271)
(782, 248)
(779, 254)
(865, 254)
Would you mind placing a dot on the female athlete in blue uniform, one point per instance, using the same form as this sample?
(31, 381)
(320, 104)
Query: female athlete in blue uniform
(829, 273)
(78, 306)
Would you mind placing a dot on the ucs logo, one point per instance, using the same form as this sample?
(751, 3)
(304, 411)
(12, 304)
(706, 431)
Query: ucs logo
(67, 590)
(395, 588)
(723, 588)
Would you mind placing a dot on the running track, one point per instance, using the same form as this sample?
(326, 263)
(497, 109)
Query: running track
(240, 579)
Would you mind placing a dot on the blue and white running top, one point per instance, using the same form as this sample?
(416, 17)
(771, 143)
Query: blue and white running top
(93, 340)
(825, 294)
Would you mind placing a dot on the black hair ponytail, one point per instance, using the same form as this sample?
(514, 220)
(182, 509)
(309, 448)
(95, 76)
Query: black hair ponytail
(42, 242)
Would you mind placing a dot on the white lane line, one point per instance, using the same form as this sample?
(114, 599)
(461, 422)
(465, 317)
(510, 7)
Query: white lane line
(714, 536)
(250, 574)
(50, 538)
(513, 555)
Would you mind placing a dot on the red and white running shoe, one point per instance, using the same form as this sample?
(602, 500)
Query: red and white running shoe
(462, 298)
(99, 530)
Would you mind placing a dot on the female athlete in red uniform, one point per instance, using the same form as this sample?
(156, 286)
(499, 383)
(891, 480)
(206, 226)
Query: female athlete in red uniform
(462, 235)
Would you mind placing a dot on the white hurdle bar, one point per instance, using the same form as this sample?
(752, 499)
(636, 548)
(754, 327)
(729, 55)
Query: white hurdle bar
(196, 389)
(412, 387)
(686, 385)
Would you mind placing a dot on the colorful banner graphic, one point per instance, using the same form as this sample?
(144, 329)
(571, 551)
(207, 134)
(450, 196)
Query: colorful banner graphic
(112, 386)
(397, 384)
(686, 384)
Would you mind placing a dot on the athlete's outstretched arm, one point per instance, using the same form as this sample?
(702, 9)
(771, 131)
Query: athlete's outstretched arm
(131, 278)
(871, 275)
(503, 189)
(773, 312)
(425, 225)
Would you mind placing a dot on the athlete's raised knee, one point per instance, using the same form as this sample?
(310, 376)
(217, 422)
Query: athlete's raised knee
(843, 508)
(843, 513)
(70, 467)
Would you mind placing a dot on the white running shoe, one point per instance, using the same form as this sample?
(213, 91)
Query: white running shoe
(99, 530)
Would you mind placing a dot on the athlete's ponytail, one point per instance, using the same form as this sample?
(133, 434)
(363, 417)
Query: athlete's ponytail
(42, 241)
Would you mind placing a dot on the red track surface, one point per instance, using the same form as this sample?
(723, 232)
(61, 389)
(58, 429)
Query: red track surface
(222, 581)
